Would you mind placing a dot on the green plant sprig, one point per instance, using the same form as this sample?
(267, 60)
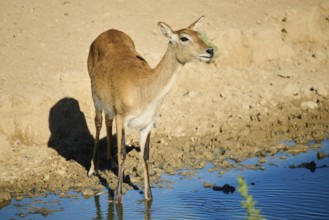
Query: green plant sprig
(249, 204)
(205, 38)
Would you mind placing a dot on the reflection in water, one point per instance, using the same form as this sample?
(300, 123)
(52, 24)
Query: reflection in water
(148, 206)
(310, 166)
(115, 211)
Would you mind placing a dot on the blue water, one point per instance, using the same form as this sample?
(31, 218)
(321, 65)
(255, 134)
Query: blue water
(280, 192)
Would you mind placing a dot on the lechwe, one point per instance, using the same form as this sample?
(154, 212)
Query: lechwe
(128, 90)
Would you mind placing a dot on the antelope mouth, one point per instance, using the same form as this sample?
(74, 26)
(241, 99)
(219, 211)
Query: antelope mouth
(205, 57)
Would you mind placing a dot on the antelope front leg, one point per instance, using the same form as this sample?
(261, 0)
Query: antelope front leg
(98, 123)
(121, 155)
(145, 154)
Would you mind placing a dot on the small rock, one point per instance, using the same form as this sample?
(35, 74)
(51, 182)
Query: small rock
(262, 160)
(19, 197)
(296, 149)
(321, 155)
(226, 188)
(162, 141)
(5, 196)
(61, 172)
(309, 105)
(217, 188)
(179, 129)
(184, 173)
(87, 193)
(283, 157)
(202, 165)
(322, 91)
(136, 179)
(46, 177)
(207, 185)
(191, 94)
(311, 166)
(291, 89)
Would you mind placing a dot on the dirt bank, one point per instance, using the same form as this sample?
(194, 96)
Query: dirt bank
(269, 83)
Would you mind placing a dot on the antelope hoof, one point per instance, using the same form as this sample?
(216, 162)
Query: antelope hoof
(91, 171)
(118, 199)
(148, 196)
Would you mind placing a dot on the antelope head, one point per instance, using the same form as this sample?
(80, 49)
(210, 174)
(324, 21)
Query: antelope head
(186, 43)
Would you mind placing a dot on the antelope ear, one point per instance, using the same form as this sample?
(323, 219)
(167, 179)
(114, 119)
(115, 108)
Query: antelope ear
(197, 24)
(167, 31)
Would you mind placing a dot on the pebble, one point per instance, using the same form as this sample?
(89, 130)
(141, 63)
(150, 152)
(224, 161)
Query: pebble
(184, 173)
(162, 141)
(136, 179)
(309, 105)
(207, 185)
(19, 197)
(283, 157)
(322, 91)
(321, 155)
(297, 149)
(262, 160)
(225, 188)
(5, 196)
(291, 90)
(87, 193)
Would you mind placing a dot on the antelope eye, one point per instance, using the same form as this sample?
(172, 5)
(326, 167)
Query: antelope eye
(184, 39)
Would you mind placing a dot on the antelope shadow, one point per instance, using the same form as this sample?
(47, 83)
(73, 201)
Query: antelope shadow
(71, 138)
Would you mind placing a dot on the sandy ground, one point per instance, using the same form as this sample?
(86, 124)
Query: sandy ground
(269, 83)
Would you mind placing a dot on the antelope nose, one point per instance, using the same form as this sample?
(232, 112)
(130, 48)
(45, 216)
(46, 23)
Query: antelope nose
(210, 51)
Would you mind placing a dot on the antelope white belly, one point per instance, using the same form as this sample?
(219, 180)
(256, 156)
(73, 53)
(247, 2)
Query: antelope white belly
(142, 119)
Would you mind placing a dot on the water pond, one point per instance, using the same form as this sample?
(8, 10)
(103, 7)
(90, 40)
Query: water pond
(285, 187)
